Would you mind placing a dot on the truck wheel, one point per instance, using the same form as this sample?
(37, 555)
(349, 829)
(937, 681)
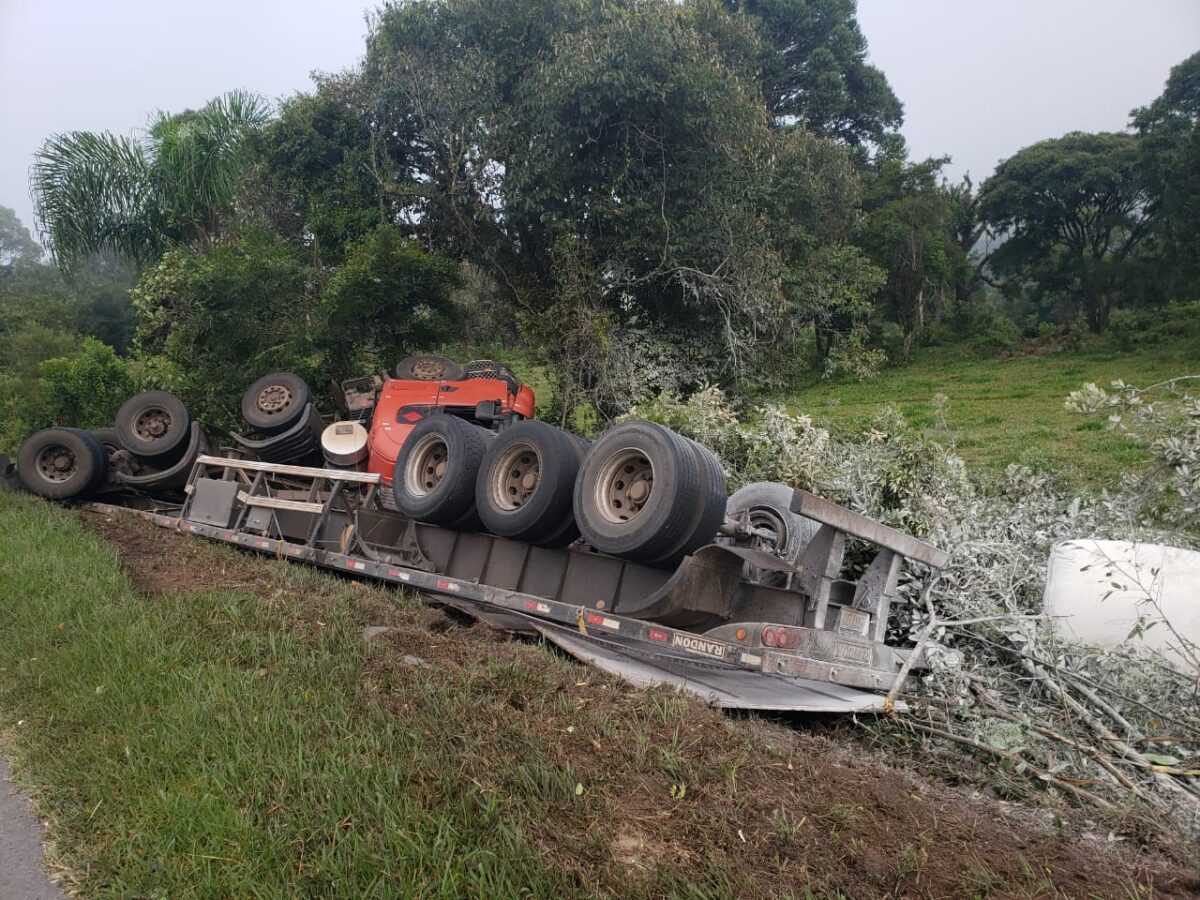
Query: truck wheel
(525, 483)
(107, 438)
(154, 426)
(428, 367)
(118, 459)
(708, 514)
(61, 463)
(435, 473)
(276, 402)
(637, 490)
(766, 505)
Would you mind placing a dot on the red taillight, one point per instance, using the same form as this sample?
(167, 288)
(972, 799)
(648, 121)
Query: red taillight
(779, 636)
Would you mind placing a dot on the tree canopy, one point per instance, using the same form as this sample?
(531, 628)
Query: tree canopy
(1169, 156)
(1075, 208)
(815, 73)
(99, 192)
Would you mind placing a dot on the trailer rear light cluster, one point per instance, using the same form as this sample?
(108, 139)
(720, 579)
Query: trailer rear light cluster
(780, 636)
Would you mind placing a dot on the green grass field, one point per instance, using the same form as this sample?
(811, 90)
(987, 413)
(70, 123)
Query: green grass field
(1010, 410)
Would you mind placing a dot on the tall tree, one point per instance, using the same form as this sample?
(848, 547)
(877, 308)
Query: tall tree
(972, 237)
(16, 243)
(97, 192)
(625, 138)
(1169, 129)
(815, 71)
(909, 232)
(1074, 210)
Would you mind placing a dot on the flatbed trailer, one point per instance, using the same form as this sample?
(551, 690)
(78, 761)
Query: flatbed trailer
(810, 642)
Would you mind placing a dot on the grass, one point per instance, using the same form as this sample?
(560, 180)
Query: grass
(202, 722)
(194, 746)
(1002, 411)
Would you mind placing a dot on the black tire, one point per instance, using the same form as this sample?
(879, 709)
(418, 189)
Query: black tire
(508, 504)
(445, 497)
(276, 402)
(567, 531)
(154, 426)
(117, 458)
(708, 513)
(108, 439)
(767, 505)
(429, 367)
(61, 463)
(637, 490)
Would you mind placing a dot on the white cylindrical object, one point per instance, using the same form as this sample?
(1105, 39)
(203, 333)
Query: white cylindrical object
(1108, 593)
(344, 444)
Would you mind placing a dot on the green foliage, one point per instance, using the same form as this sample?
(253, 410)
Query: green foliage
(16, 244)
(210, 322)
(625, 144)
(80, 384)
(1169, 158)
(319, 163)
(135, 197)
(1075, 209)
(388, 299)
(213, 320)
(994, 334)
(57, 337)
(815, 73)
(1134, 328)
(87, 388)
(909, 231)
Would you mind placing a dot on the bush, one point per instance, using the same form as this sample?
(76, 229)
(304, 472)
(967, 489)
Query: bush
(1133, 328)
(213, 321)
(995, 334)
(387, 300)
(87, 389)
(82, 390)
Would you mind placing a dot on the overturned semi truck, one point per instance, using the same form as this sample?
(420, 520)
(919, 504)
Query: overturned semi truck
(625, 552)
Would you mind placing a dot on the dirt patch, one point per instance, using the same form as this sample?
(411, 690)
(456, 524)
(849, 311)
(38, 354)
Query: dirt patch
(159, 561)
(638, 792)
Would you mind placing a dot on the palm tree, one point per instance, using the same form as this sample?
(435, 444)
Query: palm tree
(135, 196)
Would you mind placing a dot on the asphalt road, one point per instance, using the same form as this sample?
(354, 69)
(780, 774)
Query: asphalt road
(22, 876)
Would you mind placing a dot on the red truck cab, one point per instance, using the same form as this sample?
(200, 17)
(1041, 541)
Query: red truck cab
(487, 394)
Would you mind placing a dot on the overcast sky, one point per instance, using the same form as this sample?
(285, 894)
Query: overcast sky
(978, 79)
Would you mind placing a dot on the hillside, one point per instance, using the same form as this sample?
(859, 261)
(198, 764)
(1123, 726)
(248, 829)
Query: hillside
(195, 720)
(1007, 410)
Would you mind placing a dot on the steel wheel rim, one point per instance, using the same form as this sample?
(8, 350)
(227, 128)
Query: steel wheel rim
(428, 369)
(624, 486)
(515, 477)
(426, 466)
(57, 463)
(152, 423)
(767, 519)
(274, 399)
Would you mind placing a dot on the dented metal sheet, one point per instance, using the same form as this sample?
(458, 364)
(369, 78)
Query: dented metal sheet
(720, 686)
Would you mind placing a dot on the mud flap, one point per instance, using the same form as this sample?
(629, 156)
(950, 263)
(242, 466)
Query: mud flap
(720, 686)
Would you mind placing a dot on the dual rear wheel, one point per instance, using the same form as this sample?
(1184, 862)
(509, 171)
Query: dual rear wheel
(641, 491)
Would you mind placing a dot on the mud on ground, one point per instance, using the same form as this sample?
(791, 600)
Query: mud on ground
(666, 784)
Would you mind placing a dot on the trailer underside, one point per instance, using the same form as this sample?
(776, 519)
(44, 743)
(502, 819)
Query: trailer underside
(801, 640)
(592, 638)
